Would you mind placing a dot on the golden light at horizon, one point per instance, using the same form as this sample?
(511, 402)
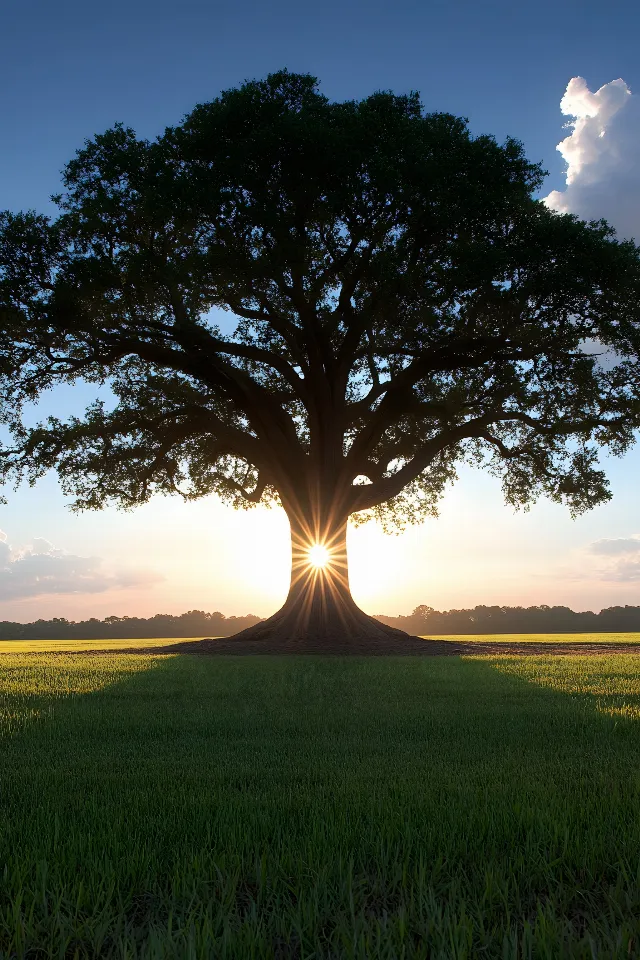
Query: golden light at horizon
(318, 555)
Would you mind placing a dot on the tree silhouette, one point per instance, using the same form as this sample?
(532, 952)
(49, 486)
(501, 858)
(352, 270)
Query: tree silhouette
(397, 301)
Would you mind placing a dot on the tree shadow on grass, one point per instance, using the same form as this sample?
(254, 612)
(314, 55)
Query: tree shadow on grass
(304, 800)
(411, 646)
(608, 685)
(33, 684)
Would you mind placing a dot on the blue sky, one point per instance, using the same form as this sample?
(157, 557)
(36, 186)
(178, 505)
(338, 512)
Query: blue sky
(71, 69)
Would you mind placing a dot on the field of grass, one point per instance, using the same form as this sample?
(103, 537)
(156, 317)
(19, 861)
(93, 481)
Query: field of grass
(303, 807)
(77, 646)
(81, 646)
(541, 637)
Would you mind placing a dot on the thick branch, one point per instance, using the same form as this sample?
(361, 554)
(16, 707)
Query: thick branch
(192, 336)
(255, 496)
(372, 495)
(398, 395)
(290, 334)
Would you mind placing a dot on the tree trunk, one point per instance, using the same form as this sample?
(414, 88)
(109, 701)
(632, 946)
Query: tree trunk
(319, 609)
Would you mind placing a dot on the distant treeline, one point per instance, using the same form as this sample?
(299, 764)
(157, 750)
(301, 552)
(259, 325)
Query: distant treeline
(195, 623)
(425, 621)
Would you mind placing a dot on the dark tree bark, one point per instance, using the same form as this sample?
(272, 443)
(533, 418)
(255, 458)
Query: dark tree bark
(319, 606)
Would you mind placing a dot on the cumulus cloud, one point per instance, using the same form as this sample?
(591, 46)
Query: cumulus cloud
(614, 548)
(40, 547)
(40, 569)
(625, 571)
(621, 556)
(602, 152)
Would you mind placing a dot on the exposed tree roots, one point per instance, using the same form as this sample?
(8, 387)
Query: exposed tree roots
(347, 630)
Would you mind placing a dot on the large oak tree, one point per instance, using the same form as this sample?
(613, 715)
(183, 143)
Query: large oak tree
(396, 301)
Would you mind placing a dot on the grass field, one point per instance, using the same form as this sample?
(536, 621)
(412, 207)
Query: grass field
(302, 807)
(542, 637)
(76, 646)
(81, 646)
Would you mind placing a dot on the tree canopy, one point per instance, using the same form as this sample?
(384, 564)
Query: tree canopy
(325, 304)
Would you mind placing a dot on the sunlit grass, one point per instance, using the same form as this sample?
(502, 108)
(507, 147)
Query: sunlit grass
(78, 646)
(609, 685)
(308, 807)
(31, 686)
(540, 637)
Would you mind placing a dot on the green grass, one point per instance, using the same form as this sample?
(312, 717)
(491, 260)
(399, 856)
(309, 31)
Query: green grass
(83, 646)
(541, 637)
(77, 646)
(302, 807)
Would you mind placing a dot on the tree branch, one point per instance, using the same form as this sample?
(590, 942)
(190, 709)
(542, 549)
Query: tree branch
(255, 496)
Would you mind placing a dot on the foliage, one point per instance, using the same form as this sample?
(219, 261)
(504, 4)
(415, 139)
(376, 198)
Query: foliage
(322, 304)
(194, 623)
(484, 619)
(302, 806)
(424, 621)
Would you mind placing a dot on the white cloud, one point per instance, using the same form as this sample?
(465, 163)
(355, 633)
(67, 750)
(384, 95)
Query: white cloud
(621, 558)
(613, 548)
(40, 569)
(39, 547)
(624, 571)
(602, 154)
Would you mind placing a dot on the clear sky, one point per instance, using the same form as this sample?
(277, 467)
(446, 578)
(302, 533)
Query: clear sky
(71, 69)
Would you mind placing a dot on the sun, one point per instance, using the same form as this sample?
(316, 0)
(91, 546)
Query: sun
(318, 555)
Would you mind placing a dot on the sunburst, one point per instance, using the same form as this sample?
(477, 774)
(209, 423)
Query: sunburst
(318, 555)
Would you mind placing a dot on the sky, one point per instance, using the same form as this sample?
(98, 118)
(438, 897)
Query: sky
(562, 76)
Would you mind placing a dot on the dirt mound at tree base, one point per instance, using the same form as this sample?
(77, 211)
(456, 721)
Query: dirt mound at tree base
(411, 646)
(360, 646)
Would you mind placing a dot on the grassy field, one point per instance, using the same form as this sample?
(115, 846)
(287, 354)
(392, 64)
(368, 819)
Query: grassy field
(542, 637)
(302, 807)
(81, 646)
(77, 646)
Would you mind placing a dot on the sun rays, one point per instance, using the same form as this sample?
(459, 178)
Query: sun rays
(319, 572)
(319, 555)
